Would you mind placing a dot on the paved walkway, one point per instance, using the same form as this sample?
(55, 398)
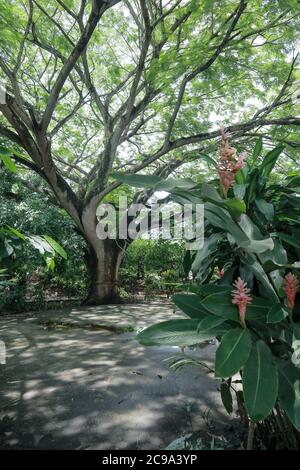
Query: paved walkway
(78, 387)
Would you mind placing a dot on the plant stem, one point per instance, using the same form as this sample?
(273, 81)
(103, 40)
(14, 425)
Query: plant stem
(251, 431)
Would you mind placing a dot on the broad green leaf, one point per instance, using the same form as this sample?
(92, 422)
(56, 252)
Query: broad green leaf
(270, 266)
(8, 163)
(276, 314)
(266, 208)
(40, 244)
(220, 218)
(239, 190)
(190, 304)
(209, 247)
(208, 160)
(208, 289)
(257, 149)
(209, 193)
(226, 397)
(172, 183)
(261, 276)
(50, 263)
(294, 182)
(233, 352)
(182, 332)
(138, 181)
(240, 177)
(290, 240)
(56, 246)
(15, 232)
(289, 391)
(258, 244)
(270, 160)
(260, 382)
(252, 186)
(236, 206)
(220, 304)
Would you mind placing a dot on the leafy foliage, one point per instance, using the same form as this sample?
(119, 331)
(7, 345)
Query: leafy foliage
(258, 244)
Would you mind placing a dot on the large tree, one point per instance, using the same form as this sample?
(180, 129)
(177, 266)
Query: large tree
(139, 86)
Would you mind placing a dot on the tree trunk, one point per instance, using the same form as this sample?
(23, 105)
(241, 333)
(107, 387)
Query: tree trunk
(103, 262)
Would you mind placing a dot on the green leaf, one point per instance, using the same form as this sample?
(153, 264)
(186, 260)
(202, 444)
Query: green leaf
(233, 352)
(182, 332)
(15, 232)
(289, 240)
(253, 186)
(190, 304)
(236, 206)
(208, 160)
(8, 163)
(260, 382)
(276, 314)
(294, 182)
(209, 193)
(138, 181)
(240, 177)
(266, 208)
(40, 244)
(220, 304)
(209, 247)
(226, 397)
(289, 391)
(239, 190)
(270, 266)
(257, 149)
(172, 183)
(260, 275)
(257, 244)
(270, 160)
(50, 263)
(208, 289)
(56, 246)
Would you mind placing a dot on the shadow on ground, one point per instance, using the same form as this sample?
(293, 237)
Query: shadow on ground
(77, 388)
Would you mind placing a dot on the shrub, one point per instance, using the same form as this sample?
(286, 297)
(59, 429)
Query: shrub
(251, 241)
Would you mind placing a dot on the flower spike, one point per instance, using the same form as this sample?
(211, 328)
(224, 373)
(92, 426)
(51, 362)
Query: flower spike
(290, 284)
(229, 165)
(241, 298)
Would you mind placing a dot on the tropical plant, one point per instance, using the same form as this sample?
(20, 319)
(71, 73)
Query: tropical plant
(251, 228)
(12, 281)
(94, 87)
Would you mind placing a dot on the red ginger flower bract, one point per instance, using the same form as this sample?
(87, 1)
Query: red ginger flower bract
(291, 284)
(241, 298)
(228, 165)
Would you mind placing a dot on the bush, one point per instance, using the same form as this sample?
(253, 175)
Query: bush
(249, 241)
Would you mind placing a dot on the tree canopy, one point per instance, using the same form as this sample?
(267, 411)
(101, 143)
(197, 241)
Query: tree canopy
(95, 87)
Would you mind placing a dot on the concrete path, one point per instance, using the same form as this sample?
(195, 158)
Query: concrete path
(78, 387)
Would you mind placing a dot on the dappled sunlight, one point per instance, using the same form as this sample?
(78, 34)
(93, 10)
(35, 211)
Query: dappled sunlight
(82, 388)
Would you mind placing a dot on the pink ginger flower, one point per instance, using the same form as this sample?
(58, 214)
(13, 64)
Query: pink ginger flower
(240, 163)
(290, 284)
(241, 298)
(228, 165)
